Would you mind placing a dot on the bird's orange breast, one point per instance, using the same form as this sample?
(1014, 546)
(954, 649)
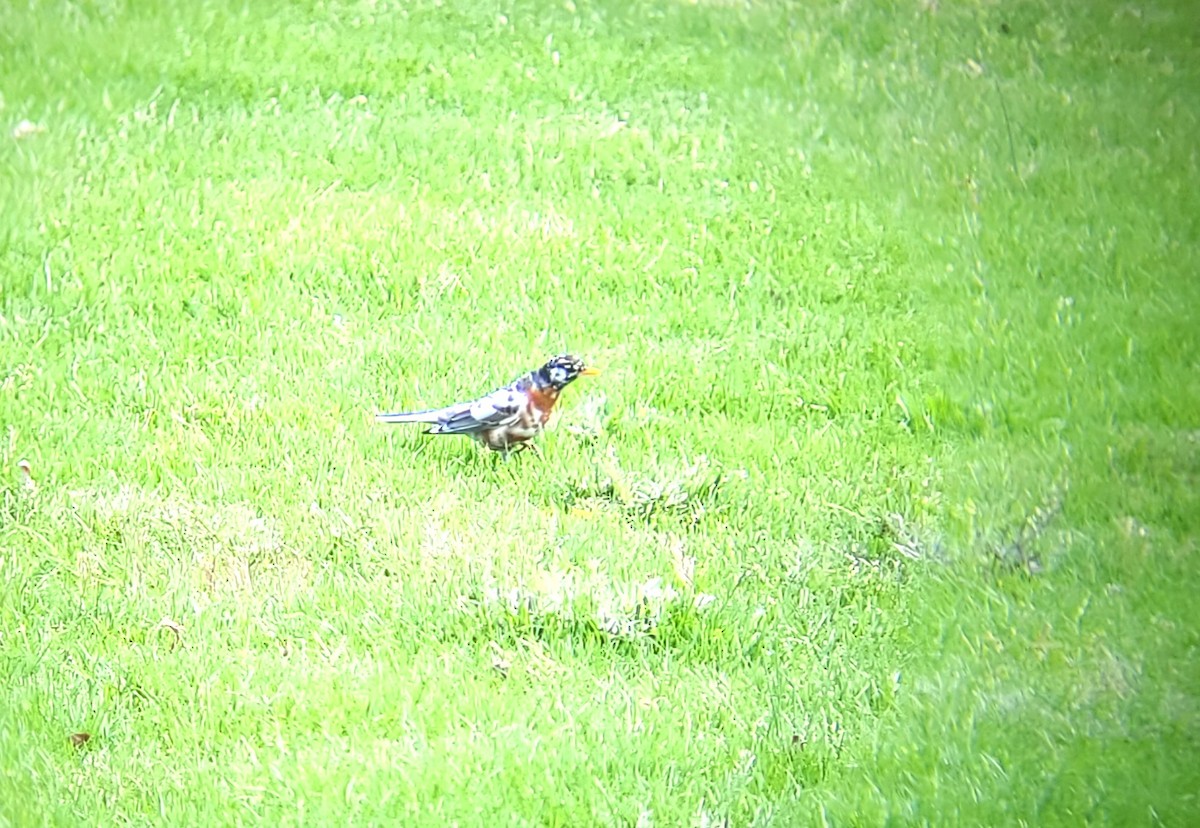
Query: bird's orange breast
(543, 402)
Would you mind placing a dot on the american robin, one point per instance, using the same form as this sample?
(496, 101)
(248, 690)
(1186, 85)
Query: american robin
(508, 417)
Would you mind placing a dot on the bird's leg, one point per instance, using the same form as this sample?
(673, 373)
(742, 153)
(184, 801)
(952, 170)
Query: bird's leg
(503, 461)
(505, 450)
(526, 446)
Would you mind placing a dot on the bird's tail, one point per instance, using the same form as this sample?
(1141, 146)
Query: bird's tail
(428, 416)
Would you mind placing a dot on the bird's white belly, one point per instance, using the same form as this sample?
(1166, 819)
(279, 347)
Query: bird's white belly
(524, 428)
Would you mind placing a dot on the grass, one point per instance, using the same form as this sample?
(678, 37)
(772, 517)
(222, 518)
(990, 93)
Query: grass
(882, 512)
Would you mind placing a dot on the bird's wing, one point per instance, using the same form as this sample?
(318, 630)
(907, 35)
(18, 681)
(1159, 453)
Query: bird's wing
(499, 408)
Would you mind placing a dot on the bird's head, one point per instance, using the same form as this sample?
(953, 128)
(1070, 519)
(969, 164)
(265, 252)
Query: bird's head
(562, 370)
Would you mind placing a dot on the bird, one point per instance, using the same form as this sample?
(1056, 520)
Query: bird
(509, 417)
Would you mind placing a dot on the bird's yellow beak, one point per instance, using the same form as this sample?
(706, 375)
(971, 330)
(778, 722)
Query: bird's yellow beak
(589, 372)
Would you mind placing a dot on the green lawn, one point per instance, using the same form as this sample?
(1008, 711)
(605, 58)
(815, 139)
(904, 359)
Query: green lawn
(884, 510)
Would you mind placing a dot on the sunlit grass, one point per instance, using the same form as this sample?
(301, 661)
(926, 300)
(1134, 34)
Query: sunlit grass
(883, 508)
